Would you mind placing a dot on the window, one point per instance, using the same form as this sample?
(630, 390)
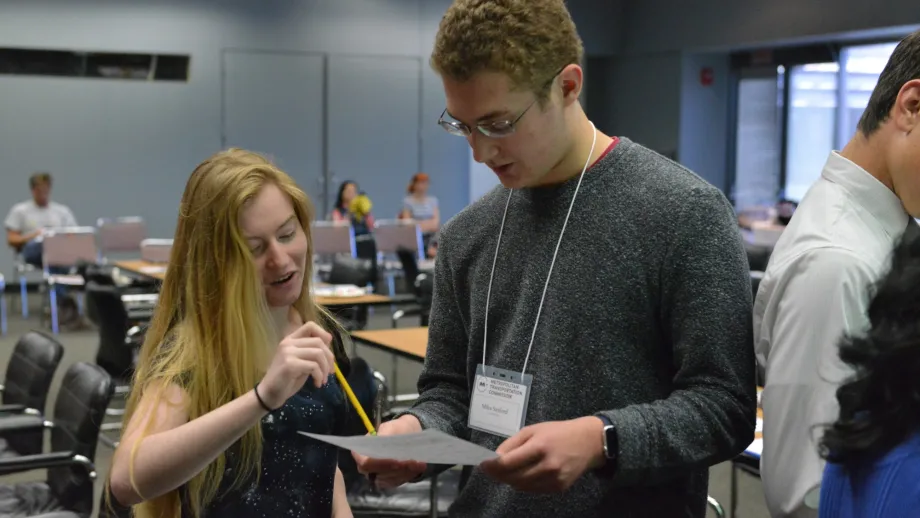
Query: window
(862, 67)
(759, 131)
(820, 95)
(826, 102)
(100, 65)
(810, 124)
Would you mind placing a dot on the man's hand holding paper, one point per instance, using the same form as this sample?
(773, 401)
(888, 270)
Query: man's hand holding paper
(390, 473)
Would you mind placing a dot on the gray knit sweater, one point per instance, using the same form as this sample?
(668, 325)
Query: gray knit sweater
(647, 320)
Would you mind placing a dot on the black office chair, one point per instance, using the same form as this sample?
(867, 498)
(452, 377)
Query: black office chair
(409, 261)
(85, 393)
(115, 353)
(756, 277)
(366, 248)
(758, 256)
(35, 359)
(357, 271)
(363, 384)
(744, 463)
(423, 289)
(409, 500)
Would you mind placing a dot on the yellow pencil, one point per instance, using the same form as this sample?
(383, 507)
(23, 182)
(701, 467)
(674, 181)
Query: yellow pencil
(354, 400)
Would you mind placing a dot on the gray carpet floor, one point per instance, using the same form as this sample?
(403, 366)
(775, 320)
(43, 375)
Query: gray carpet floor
(82, 345)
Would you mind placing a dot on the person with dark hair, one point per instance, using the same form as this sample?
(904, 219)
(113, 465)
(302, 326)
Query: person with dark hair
(873, 448)
(814, 289)
(352, 205)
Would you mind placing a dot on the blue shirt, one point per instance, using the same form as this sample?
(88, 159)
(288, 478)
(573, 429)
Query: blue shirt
(298, 473)
(886, 488)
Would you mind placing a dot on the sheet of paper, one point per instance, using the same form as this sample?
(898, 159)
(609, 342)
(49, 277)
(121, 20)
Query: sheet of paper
(430, 446)
(153, 269)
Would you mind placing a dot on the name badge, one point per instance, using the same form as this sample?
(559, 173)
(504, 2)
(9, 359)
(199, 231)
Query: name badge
(499, 401)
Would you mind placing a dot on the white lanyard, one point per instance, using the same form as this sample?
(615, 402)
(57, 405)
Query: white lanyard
(533, 335)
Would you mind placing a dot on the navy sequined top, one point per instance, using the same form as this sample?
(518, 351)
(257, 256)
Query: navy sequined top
(298, 473)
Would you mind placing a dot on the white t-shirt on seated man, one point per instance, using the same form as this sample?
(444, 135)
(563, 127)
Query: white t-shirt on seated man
(27, 219)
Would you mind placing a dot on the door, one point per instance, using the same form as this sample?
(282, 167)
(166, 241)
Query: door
(273, 104)
(374, 110)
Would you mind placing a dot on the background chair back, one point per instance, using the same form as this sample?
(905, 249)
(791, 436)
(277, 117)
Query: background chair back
(121, 234)
(351, 270)
(69, 246)
(393, 235)
(156, 250)
(424, 293)
(333, 238)
(114, 355)
(78, 413)
(758, 256)
(364, 384)
(35, 359)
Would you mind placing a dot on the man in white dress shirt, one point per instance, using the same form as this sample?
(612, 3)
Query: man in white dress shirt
(816, 287)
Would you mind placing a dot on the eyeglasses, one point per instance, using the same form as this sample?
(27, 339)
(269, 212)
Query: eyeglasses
(492, 129)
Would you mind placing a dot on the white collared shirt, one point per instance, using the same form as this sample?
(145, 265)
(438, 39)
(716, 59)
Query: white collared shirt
(816, 289)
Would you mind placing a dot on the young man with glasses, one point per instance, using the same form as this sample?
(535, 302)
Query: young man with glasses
(592, 315)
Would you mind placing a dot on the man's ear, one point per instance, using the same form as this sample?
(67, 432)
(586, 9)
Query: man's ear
(907, 106)
(572, 79)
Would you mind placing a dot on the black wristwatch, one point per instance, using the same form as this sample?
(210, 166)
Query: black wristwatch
(611, 446)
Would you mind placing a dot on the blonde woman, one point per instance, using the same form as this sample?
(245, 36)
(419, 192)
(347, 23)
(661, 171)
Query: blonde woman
(237, 360)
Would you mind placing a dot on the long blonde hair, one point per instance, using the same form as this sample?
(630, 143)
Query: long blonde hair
(211, 331)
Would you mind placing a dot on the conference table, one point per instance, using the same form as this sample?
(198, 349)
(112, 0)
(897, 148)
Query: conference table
(409, 342)
(158, 271)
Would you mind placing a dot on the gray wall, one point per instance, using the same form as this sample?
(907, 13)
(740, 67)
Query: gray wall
(664, 25)
(703, 121)
(654, 93)
(124, 148)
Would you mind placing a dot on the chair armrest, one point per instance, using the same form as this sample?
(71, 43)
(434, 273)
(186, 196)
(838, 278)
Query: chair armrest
(46, 460)
(406, 312)
(403, 298)
(135, 336)
(17, 423)
(12, 409)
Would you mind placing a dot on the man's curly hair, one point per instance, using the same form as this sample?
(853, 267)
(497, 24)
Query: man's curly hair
(528, 40)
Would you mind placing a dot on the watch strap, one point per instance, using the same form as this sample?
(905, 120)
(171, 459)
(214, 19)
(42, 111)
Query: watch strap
(609, 467)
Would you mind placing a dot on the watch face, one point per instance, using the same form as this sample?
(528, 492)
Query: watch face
(611, 447)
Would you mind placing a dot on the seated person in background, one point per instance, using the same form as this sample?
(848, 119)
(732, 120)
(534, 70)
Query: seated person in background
(26, 221)
(354, 207)
(873, 449)
(238, 360)
(421, 207)
(24, 226)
